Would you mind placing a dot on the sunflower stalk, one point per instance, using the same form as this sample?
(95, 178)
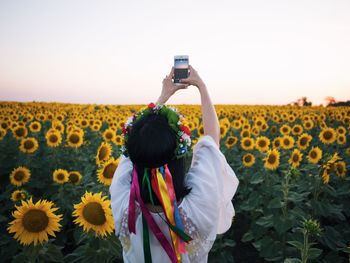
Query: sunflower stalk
(285, 189)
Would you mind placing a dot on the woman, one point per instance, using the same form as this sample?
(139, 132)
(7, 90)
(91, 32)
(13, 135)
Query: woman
(199, 201)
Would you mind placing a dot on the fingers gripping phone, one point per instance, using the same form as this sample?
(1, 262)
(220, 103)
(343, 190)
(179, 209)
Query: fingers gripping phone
(180, 68)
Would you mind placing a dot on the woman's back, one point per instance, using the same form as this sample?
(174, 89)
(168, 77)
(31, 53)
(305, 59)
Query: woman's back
(206, 211)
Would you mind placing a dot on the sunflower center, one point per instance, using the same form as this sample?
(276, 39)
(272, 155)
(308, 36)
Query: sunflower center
(230, 141)
(94, 214)
(247, 143)
(19, 176)
(60, 176)
(35, 126)
(103, 153)
(295, 158)
(35, 220)
(109, 170)
(247, 158)
(271, 159)
(109, 135)
(313, 154)
(262, 143)
(296, 129)
(53, 138)
(20, 132)
(28, 144)
(328, 135)
(303, 141)
(286, 142)
(73, 177)
(74, 138)
(19, 196)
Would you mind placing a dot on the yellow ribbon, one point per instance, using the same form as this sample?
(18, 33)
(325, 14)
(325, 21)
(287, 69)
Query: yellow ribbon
(169, 211)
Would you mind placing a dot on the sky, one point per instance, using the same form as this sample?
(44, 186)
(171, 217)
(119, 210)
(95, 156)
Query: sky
(118, 52)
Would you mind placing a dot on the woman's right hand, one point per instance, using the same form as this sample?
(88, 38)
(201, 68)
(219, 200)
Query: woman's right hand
(193, 78)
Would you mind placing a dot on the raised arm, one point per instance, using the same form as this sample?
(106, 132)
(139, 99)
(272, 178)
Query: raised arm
(209, 116)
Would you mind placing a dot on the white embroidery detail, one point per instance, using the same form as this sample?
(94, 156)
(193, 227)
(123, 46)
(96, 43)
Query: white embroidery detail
(196, 249)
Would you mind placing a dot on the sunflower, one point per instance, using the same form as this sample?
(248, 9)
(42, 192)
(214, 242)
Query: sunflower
(341, 139)
(53, 138)
(60, 176)
(326, 175)
(262, 143)
(106, 172)
(109, 135)
(285, 129)
(94, 213)
(341, 130)
(327, 135)
(295, 158)
(276, 142)
(20, 176)
(34, 222)
(200, 130)
(231, 141)
(74, 177)
(118, 140)
(347, 151)
(103, 153)
(248, 160)
(308, 125)
(304, 141)
(18, 195)
(35, 126)
(2, 133)
(247, 143)
(223, 130)
(237, 124)
(287, 142)
(315, 154)
(272, 159)
(20, 132)
(340, 168)
(245, 133)
(297, 129)
(29, 145)
(75, 139)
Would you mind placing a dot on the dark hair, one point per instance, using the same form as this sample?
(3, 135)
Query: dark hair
(152, 143)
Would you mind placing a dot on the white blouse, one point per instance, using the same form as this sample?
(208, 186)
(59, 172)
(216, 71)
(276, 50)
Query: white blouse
(206, 211)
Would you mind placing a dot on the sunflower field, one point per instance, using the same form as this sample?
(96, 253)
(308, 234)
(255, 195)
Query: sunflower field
(57, 162)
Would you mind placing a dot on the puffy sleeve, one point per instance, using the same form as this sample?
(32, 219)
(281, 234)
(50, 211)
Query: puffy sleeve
(213, 183)
(120, 190)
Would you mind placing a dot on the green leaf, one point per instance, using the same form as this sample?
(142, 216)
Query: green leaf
(314, 253)
(292, 260)
(275, 203)
(248, 236)
(256, 178)
(266, 221)
(296, 244)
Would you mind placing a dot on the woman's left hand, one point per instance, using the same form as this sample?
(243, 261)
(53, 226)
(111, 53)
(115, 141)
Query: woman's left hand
(169, 88)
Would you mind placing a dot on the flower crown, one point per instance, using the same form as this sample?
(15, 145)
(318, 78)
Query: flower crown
(175, 120)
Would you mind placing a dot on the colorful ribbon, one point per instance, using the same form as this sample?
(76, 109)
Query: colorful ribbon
(162, 185)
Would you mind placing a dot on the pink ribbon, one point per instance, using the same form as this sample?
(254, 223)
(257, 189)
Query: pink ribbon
(135, 190)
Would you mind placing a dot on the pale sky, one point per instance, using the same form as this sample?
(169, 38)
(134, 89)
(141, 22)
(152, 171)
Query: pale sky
(118, 52)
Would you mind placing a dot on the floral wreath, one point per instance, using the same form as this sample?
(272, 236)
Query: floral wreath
(175, 120)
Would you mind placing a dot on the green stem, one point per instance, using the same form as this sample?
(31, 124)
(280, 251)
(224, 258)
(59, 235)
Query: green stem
(305, 251)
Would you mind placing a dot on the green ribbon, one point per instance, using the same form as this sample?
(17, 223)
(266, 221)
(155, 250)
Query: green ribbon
(146, 243)
(185, 237)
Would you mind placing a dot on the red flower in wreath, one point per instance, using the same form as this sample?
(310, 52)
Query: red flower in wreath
(151, 105)
(186, 130)
(124, 131)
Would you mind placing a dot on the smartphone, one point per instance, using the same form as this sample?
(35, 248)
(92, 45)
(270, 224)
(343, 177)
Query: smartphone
(180, 68)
